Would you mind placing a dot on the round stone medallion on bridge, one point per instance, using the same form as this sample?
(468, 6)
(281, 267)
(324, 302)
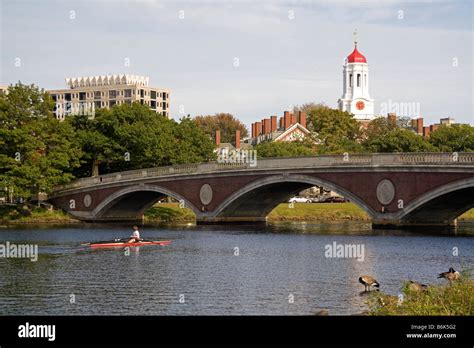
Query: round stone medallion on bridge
(385, 191)
(205, 194)
(87, 200)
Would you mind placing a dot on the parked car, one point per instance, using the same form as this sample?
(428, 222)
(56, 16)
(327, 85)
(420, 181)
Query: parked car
(335, 200)
(299, 200)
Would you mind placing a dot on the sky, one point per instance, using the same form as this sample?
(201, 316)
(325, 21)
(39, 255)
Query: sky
(250, 58)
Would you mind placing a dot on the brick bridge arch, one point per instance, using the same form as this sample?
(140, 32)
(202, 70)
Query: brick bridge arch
(260, 197)
(135, 199)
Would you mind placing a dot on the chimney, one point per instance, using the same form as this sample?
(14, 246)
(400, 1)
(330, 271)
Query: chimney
(273, 123)
(266, 126)
(392, 117)
(419, 125)
(286, 120)
(426, 132)
(258, 128)
(302, 118)
(218, 137)
(237, 139)
(293, 119)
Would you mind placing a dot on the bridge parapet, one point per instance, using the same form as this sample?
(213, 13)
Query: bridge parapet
(357, 160)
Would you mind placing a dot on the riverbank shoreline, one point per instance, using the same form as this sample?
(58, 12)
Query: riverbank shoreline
(173, 213)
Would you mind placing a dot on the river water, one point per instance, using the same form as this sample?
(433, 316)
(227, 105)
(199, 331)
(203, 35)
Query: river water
(278, 269)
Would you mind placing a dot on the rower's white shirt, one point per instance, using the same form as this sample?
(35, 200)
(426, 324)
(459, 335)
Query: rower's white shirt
(136, 234)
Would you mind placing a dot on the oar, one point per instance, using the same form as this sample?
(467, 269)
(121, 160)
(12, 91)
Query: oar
(107, 241)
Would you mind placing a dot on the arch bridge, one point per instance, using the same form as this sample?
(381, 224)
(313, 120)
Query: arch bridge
(396, 190)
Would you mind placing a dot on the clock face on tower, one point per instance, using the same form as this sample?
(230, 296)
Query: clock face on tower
(360, 105)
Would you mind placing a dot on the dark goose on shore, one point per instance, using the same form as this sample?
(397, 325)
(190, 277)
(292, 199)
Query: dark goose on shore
(368, 282)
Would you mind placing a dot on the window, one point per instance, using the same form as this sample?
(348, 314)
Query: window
(128, 93)
(165, 95)
(129, 102)
(142, 92)
(97, 104)
(153, 94)
(141, 101)
(112, 103)
(82, 96)
(55, 98)
(97, 95)
(350, 80)
(153, 104)
(165, 105)
(112, 94)
(358, 80)
(67, 96)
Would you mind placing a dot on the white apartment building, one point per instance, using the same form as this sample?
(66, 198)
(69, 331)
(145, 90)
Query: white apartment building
(84, 95)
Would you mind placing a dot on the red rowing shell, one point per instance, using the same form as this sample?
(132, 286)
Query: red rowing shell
(121, 245)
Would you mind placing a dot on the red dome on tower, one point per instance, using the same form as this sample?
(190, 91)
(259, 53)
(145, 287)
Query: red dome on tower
(356, 57)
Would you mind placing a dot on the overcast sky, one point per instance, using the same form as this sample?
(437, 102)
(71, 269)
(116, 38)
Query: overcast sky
(288, 52)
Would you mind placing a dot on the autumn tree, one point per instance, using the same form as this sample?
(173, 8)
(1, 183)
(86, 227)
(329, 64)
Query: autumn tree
(224, 122)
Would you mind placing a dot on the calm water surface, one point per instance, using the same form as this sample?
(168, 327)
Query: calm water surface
(273, 262)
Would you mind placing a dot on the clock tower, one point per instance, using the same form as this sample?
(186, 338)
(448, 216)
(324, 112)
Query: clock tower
(355, 98)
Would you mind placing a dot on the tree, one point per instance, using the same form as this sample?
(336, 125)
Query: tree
(397, 140)
(284, 149)
(128, 137)
(37, 150)
(378, 127)
(336, 131)
(192, 144)
(224, 122)
(453, 138)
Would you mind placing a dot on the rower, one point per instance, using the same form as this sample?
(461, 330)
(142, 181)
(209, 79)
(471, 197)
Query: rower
(135, 237)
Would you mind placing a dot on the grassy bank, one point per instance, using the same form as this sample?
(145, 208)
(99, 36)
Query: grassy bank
(10, 214)
(467, 216)
(455, 299)
(317, 212)
(169, 212)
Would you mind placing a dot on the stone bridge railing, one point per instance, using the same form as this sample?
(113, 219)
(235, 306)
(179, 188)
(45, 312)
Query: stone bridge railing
(361, 160)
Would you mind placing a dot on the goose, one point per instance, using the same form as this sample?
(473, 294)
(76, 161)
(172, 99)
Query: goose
(417, 287)
(368, 281)
(450, 275)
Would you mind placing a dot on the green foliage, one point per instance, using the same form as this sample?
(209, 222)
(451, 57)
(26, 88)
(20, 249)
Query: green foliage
(224, 122)
(335, 130)
(192, 144)
(132, 136)
(397, 140)
(37, 151)
(33, 214)
(284, 149)
(455, 299)
(453, 138)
